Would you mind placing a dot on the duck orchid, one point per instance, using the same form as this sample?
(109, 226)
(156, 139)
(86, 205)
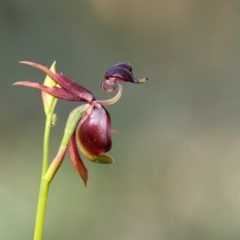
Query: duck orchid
(89, 126)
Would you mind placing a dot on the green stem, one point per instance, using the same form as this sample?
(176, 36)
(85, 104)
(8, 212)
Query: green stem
(46, 144)
(48, 173)
(41, 209)
(45, 183)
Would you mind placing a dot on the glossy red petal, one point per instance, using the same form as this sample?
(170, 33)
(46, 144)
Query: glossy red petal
(93, 133)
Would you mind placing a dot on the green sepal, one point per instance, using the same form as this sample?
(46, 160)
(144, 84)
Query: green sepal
(71, 124)
(49, 101)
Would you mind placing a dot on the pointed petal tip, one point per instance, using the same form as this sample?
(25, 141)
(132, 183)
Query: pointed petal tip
(85, 181)
(35, 65)
(53, 65)
(26, 62)
(83, 175)
(82, 171)
(17, 83)
(25, 83)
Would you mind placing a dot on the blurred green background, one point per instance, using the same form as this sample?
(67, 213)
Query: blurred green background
(176, 174)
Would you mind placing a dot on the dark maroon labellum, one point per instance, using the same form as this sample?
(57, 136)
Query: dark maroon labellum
(93, 131)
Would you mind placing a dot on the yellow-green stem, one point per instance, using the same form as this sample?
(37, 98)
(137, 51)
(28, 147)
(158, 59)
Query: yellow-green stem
(46, 144)
(41, 209)
(44, 185)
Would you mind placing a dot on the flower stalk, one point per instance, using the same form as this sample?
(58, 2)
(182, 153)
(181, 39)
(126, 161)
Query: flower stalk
(88, 127)
(49, 103)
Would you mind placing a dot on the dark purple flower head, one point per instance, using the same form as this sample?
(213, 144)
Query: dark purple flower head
(121, 72)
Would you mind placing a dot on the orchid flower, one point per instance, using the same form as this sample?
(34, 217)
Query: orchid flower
(89, 126)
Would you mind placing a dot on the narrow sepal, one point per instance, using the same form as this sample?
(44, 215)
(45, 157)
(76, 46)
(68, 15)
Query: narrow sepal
(75, 88)
(57, 92)
(72, 87)
(76, 160)
(71, 124)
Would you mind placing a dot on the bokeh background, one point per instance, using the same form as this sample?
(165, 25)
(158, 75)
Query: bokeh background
(176, 174)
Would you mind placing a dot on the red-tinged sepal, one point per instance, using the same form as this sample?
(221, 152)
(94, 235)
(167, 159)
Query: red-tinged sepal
(57, 92)
(55, 165)
(76, 159)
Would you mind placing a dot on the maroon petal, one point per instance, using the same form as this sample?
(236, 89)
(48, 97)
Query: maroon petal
(66, 83)
(76, 159)
(75, 88)
(54, 91)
